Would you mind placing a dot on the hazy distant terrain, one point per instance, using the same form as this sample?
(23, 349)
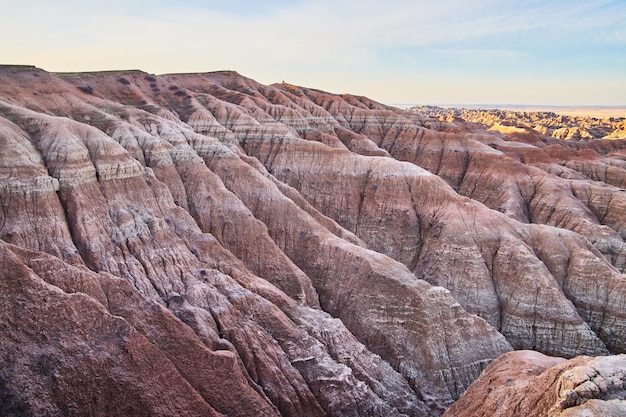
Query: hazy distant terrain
(559, 122)
(603, 112)
(582, 111)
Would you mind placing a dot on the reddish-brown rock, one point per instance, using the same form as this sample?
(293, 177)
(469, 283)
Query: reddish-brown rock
(529, 384)
(287, 240)
(64, 353)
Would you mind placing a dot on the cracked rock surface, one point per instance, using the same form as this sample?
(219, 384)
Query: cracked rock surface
(526, 383)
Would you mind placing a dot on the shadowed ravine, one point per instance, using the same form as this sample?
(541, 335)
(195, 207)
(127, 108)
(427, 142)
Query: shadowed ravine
(201, 244)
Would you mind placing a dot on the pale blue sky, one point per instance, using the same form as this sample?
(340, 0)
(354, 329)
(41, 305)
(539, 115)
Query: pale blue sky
(396, 51)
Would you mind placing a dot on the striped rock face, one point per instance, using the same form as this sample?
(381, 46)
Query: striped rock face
(202, 244)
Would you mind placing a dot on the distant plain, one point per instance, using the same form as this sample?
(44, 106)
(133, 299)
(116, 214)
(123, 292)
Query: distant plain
(603, 112)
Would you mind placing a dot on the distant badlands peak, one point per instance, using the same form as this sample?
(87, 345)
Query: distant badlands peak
(203, 244)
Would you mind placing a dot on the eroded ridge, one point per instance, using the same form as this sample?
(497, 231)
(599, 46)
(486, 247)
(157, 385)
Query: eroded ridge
(314, 254)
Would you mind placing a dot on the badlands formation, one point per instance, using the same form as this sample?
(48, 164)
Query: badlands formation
(204, 245)
(570, 123)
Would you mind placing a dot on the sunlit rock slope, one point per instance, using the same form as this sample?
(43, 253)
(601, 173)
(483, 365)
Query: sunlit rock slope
(530, 384)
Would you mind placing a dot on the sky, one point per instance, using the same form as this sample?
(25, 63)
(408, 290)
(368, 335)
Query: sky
(548, 52)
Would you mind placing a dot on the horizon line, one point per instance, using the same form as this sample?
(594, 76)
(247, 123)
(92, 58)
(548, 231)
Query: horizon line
(573, 106)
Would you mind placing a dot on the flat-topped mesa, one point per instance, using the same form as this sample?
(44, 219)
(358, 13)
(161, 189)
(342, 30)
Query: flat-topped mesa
(335, 256)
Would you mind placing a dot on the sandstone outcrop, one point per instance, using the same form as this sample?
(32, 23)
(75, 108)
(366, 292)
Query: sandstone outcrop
(324, 254)
(527, 383)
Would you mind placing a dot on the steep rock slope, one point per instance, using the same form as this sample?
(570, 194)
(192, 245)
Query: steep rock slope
(74, 332)
(291, 238)
(387, 215)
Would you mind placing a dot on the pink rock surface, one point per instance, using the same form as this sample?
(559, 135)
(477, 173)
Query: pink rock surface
(316, 254)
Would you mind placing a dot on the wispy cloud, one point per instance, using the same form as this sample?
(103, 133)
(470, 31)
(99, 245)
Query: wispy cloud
(478, 53)
(313, 31)
(272, 40)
